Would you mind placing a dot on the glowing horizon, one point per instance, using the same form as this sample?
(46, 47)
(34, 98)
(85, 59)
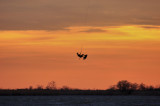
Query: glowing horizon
(36, 57)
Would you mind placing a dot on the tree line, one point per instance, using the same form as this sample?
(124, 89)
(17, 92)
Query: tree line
(123, 87)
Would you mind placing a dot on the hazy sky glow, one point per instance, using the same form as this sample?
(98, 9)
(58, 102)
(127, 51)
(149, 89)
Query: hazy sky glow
(39, 40)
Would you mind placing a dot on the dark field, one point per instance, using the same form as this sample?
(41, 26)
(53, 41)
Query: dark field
(79, 101)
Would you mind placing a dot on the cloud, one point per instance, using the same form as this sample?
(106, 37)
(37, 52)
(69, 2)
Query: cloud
(94, 30)
(151, 27)
(42, 38)
(60, 14)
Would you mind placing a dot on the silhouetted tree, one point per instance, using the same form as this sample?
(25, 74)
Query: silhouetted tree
(142, 87)
(113, 87)
(158, 87)
(65, 88)
(39, 87)
(30, 87)
(123, 85)
(150, 87)
(133, 86)
(51, 85)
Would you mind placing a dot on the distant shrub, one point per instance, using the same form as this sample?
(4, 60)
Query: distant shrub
(39, 87)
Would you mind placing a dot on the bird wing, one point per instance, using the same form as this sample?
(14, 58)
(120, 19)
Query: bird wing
(85, 56)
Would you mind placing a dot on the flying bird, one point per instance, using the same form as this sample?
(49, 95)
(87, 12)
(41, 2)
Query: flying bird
(82, 55)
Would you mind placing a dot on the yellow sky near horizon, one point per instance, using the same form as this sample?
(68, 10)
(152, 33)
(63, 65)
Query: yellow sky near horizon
(33, 57)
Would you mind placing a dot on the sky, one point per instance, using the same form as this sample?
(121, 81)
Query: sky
(39, 41)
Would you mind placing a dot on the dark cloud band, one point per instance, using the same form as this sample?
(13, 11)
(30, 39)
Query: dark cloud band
(59, 14)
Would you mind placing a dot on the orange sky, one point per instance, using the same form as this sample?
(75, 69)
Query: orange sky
(39, 40)
(36, 57)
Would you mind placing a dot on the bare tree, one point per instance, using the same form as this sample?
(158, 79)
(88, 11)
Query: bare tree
(51, 85)
(123, 85)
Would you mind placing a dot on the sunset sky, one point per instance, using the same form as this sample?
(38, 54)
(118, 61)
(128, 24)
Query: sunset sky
(39, 40)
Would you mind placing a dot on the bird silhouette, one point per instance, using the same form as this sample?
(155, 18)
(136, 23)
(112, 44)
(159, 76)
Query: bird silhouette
(82, 55)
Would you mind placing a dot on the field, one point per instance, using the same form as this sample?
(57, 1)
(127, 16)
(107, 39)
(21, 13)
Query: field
(79, 100)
